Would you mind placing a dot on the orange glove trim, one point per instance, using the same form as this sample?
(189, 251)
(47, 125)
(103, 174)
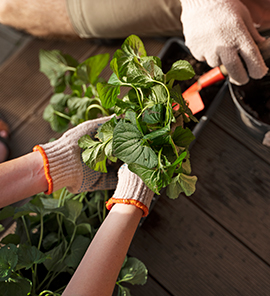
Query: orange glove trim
(112, 201)
(46, 168)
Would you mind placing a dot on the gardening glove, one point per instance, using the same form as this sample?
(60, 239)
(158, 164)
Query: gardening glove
(63, 164)
(222, 32)
(131, 190)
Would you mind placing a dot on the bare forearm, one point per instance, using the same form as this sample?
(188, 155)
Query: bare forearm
(21, 178)
(98, 271)
(37, 17)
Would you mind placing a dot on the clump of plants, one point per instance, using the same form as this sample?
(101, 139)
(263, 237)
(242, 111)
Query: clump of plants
(52, 234)
(146, 133)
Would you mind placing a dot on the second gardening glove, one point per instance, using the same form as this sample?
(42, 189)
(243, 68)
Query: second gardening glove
(63, 164)
(131, 190)
(222, 32)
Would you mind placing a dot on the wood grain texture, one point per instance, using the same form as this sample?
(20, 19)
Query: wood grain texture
(189, 254)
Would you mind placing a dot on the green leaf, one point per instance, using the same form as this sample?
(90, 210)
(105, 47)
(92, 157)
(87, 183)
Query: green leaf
(2, 228)
(181, 183)
(77, 250)
(49, 240)
(123, 291)
(28, 256)
(176, 95)
(133, 272)
(8, 261)
(58, 123)
(11, 239)
(138, 75)
(54, 65)
(94, 154)
(105, 132)
(134, 46)
(180, 70)
(15, 286)
(108, 94)
(182, 137)
(41, 206)
(154, 115)
(146, 174)
(90, 69)
(74, 208)
(55, 256)
(6, 212)
(127, 146)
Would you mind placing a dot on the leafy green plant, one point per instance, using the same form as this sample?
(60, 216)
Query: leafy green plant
(75, 97)
(51, 238)
(147, 136)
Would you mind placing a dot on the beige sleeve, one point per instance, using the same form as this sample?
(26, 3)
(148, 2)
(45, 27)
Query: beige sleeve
(121, 18)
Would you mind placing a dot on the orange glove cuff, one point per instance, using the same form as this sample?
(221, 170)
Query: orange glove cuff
(112, 201)
(46, 168)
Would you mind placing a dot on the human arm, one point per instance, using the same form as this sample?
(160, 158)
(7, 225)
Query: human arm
(53, 166)
(222, 32)
(38, 17)
(100, 266)
(21, 177)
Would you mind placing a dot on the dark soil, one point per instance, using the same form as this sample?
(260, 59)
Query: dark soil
(177, 52)
(254, 97)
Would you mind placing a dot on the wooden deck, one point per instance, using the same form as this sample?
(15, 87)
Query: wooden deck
(216, 242)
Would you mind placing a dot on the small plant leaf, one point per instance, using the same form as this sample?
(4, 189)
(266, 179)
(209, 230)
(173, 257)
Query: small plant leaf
(182, 137)
(28, 256)
(133, 272)
(108, 94)
(180, 70)
(16, 286)
(127, 146)
(77, 250)
(8, 261)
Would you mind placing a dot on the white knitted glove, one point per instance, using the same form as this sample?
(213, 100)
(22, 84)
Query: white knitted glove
(131, 190)
(64, 167)
(220, 32)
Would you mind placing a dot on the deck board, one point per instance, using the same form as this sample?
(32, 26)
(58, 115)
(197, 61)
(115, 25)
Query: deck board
(190, 254)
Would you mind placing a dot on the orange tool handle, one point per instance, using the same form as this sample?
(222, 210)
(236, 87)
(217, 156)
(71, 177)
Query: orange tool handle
(212, 76)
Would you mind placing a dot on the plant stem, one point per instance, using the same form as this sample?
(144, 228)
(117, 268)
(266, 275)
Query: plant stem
(39, 245)
(104, 112)
(84, 88)
(26, 230)
(71, 69)
(41, 232)
(62, 115)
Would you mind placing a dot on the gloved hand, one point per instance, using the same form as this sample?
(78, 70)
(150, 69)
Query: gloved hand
(220, 32)
(131, 190)
(63, 164)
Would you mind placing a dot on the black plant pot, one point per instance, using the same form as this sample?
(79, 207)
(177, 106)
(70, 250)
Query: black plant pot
(254, 113)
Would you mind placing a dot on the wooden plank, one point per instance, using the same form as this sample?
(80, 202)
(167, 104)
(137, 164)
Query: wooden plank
(233, 188)
(226, 118)
(189, 254)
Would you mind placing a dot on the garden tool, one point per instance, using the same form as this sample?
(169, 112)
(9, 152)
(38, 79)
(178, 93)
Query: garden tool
(192, 95)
